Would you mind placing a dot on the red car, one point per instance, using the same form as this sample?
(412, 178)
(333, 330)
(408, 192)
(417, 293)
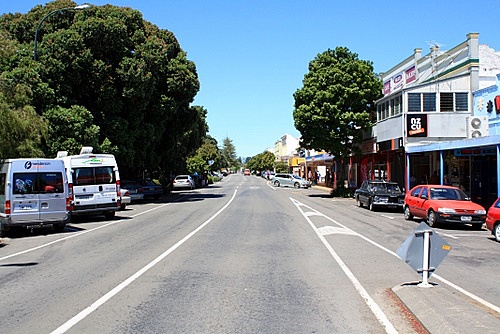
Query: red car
(493, 219)
(443, 204)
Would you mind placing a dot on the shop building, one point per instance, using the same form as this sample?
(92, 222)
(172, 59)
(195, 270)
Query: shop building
(429, 101)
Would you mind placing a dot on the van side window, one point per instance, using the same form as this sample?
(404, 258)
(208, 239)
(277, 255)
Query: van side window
(104, 175)
(2, 184)
(24, 183)
(51, 183)
(83, 176)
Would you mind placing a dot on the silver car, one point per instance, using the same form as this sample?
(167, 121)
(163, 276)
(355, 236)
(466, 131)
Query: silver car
(289, 180)
(183, 181)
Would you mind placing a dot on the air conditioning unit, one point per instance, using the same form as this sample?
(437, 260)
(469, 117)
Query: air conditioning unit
(477, 126)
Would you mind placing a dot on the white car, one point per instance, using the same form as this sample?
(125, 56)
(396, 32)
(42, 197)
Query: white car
(125, 198)
(183, 181)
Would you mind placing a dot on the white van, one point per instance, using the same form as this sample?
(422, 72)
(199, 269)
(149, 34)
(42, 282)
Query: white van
(33, 193)
(94, 182)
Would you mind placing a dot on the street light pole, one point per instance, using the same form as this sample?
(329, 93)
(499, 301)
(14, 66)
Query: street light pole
(81, 7)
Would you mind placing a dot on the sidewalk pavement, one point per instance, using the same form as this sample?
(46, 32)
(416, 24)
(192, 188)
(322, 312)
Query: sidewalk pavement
(443, 309)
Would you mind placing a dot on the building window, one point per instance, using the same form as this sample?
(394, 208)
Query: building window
(414, 102)
(462, 101)
(450, 102)
(446, 103)
(429, 101)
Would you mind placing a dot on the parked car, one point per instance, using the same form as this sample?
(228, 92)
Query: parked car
(134, 188)
(379, 193)
(443, 204)
(150, 189)
(493, 219)
(183, 181)
(289, 180)
(124, 198)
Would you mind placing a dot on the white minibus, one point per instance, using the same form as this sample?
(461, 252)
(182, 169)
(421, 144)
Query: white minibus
(94, 182)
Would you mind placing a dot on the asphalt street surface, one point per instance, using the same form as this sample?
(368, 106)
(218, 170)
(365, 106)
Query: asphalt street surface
(242, 256)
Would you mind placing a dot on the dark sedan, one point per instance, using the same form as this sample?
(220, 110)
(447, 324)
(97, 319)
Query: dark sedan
(379, 194)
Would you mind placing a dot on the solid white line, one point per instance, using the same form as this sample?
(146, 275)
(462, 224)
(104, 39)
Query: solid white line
(78, 234)
(376, 310)
(465, 292)
(80, 316)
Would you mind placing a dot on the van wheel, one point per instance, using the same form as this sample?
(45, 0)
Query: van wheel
(109, 214)
(59, 227)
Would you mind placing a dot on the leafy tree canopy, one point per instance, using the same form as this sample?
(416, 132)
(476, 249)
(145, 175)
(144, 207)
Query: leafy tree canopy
(333, 107)
(228, 155)
(103, 76)
(262, 161)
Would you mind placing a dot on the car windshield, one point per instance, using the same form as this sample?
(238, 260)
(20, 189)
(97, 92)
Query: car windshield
(448, 194)
(297, 177)
(388, 187)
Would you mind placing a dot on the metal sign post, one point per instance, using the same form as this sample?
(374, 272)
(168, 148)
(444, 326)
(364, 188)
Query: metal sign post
(424, 250)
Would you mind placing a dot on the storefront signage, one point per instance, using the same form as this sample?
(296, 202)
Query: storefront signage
(475, 151)
(387, 87)
(416, 125)
(397, 82)
(410, 75)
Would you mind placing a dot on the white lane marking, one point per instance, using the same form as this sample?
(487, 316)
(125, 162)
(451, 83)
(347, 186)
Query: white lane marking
(376, 310)
(327, 230)
(80, 233)
(465, 292)
(389, 217)
(83, 314)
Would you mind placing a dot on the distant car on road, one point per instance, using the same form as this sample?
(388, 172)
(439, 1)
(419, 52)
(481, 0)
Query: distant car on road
(493, 219)
(443, 204)
(379, 194)
(183, 182)
(150, 189)
(246, 172)
(289, 180)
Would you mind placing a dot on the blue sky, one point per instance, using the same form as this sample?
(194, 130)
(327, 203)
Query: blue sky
(251, 56)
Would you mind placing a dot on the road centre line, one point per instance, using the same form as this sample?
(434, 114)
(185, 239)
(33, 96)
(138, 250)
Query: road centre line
(456, 287)
(376, 310)
(84, 313)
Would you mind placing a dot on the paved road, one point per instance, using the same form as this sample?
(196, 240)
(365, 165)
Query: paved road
(238, 257)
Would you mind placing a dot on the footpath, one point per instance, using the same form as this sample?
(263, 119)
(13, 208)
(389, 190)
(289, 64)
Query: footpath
(444, 309)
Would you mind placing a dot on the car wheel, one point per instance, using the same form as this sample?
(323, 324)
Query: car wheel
(276, 183)
(371, 206)
(408, 215)
(496, 232)
(296, 185)
(431, 219)
(359, 202)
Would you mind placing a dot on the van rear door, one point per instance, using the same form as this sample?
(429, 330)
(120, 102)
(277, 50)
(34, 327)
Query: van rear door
(25, 204)
(52, 195)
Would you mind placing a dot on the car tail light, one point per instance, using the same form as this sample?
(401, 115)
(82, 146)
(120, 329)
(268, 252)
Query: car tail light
(118, 193)
(7, 207)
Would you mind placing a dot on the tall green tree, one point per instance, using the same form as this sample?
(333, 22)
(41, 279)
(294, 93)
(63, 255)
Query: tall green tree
(228, 155)
(333, 107)
(262, 161)
(126, 83)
